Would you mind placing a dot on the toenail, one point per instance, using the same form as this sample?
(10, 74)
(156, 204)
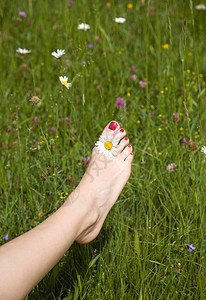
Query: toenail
(129, 146)
(131, 153)
(122, 130)
(126, 139)
(113, 125)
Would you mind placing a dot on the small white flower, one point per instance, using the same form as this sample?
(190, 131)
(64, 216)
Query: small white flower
(64, 81)
(23, 51)
(59, 53)
(200, 7)
(83, 26)
(120, 20)
(203, 150)
(107, 145)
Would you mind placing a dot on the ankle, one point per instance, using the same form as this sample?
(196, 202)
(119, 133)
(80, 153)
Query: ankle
(84, 205)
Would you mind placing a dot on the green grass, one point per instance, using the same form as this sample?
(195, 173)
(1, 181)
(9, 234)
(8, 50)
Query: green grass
(159, 213)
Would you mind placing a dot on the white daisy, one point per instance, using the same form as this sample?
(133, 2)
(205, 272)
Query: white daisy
(64, 81)
(120, 20)
(59, 53)
(107, 145)
(200, 7)
(23, 51)
(83, 26)
(203, 150)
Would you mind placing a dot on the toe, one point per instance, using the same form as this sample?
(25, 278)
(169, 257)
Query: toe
(120, 134)
(129, 158)
(123, 143)
(126, 152)
(111, 128)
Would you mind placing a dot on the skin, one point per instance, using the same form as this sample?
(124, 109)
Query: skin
(25, 260)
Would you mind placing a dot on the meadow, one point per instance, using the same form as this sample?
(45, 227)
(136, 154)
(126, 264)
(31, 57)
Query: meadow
(148, 73)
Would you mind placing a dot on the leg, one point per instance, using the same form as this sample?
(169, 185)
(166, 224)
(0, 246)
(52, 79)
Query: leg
(25, 260)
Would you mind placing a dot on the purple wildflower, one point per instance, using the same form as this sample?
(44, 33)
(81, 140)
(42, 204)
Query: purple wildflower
(9, 129)
(147, 260)
(176, 117)
(152, 9)
(37, 143)
(191, 248)
(83, 63)
(22, 15)
(142, 84)
(171, 167)
(119, 102)
(90, 45)
(68, 119)
(133, 77)
(53, 129)
(36, 120)
(6, 237)
(186, 110)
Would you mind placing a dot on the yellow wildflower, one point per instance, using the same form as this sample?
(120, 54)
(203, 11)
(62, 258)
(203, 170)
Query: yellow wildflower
(130, 5)
(165, 46)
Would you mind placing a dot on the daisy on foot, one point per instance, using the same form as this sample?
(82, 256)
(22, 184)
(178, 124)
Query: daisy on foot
(105, 177)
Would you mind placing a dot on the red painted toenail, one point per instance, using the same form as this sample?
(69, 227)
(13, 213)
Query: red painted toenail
(113, 125)
(126, 139)
(131, 153)
(122, 130)
(129, 146)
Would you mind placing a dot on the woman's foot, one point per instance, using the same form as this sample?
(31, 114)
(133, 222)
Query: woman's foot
(104, 179)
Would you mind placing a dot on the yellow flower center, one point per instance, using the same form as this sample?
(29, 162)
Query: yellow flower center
(108, 145)
(64, 82)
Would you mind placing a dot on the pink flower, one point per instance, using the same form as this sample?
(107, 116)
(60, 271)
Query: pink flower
(37, 143)
(24, 67)
(133, 77)
(9, 128)
(171, 167)
(35, 100)
(85, 160)
(152, 9)
(15, 143)
(53, 129)
(37, 91)
(133, 69)
(119, 102)
(185, 142)
(36, 120)
(142, 84)
(22, 15)
(97, 39)
(176, 117)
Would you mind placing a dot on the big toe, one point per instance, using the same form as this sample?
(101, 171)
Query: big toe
(111, 128)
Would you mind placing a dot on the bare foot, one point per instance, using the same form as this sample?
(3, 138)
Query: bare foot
(105, 178)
